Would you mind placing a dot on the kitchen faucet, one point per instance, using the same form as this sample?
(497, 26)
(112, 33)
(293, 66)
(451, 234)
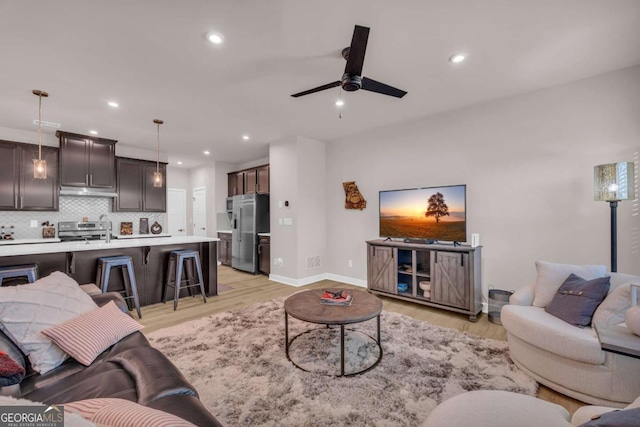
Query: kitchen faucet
(108, 235)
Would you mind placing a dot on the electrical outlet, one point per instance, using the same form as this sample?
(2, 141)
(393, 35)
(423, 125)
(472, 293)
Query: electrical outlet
(350, 263)
(34, 223)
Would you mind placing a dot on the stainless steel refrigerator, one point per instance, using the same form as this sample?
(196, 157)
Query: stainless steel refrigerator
(250, 216)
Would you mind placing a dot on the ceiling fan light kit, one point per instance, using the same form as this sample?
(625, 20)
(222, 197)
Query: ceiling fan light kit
(352, 79)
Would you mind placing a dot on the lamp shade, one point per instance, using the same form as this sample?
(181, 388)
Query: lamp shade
(613, 181)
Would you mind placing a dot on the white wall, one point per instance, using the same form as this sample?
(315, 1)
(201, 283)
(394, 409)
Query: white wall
(181, 178)
(251, 164)
(283, 176)
(16, 135)
(312, 198)
(298, 176)
(204, 176)
(528, 164)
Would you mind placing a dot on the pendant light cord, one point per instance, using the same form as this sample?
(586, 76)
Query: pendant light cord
(40, 126)
(158, 122)
(158, 150)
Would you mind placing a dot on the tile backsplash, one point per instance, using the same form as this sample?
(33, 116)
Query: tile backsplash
(223, 221)
(74, 209)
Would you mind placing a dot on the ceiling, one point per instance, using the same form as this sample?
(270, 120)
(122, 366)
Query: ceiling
(153, 58)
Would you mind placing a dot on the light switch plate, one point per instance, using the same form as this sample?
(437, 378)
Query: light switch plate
(288, 221)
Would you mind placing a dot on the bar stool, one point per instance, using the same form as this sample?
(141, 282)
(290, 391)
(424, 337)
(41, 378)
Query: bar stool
(124, 262)
(30, 271)
(175, 278)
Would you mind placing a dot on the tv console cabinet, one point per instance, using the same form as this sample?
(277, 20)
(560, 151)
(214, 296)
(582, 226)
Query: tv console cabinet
(452, 271)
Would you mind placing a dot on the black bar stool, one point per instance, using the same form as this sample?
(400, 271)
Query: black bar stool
(124, 262)
(175, 278)
(30, 271)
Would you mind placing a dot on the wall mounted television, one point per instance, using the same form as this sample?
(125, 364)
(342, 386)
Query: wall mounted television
(430, 213)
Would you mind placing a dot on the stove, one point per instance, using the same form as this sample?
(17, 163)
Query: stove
(85, 230)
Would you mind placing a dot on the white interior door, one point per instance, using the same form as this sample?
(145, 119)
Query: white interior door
(199, 211)
(177, 211)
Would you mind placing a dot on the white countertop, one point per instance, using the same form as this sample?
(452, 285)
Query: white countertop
(47, 248)
(29, 241)
(141, 236)
(225, 231)
(264, 234)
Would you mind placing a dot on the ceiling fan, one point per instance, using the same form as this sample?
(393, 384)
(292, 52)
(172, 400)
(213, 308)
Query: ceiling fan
(352, 79)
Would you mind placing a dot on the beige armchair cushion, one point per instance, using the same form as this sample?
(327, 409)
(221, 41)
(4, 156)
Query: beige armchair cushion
(551, 276)
(493, 408)
(540, 329)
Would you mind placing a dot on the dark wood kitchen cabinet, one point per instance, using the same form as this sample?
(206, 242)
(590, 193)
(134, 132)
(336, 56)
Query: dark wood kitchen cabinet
(264, 255)
(129, 186)
(257, 180)
(235, 183)
(19, 190)
(87, 161)
(249, 181)
(135, 189)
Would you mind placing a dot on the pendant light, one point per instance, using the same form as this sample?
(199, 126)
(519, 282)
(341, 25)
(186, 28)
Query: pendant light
(39, 165)
(157, 176)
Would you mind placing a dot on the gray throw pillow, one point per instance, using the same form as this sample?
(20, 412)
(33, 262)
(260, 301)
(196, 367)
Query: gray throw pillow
(624, 418)
(577, 299)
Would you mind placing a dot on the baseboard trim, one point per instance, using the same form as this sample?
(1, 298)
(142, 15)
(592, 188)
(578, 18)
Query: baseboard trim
(345, 279)
(313, 279)
(283, 279)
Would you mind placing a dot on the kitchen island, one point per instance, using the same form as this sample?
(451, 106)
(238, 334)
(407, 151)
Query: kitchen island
(149, 255)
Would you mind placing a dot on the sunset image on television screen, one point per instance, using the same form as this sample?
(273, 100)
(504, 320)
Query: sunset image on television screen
(436, 213)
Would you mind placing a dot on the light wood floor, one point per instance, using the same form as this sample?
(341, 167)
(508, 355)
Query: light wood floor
(249, 289)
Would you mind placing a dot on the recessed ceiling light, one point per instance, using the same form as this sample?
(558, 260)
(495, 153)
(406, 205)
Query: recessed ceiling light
(245, 137)
(215, 38)
(93, 132)
(339, 103)
(179, 163)
(113, 104)
(457, 58)
(207, 152)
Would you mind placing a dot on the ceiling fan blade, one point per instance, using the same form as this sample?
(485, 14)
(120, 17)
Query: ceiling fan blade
(374, 86)
(357, 50)
(317, 89)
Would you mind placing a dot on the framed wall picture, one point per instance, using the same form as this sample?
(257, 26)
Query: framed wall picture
(126, 228)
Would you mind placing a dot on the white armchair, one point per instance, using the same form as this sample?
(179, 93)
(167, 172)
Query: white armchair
(567, 358)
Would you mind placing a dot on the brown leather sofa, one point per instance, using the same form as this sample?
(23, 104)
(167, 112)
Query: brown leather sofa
(131, 369)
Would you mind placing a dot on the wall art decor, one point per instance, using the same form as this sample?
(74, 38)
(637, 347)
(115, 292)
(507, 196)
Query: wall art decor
(354, 199)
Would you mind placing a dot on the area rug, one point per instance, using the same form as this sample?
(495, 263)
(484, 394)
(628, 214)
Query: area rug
(236, 361)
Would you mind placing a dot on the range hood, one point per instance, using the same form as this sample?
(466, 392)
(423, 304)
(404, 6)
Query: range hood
(87, 192)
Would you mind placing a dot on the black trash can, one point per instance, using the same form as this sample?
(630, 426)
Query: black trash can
(497, 299)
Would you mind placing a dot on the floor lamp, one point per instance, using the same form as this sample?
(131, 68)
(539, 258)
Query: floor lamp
(612, 183)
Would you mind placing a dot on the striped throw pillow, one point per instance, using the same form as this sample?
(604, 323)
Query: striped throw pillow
(123, 413)
(86, 336)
